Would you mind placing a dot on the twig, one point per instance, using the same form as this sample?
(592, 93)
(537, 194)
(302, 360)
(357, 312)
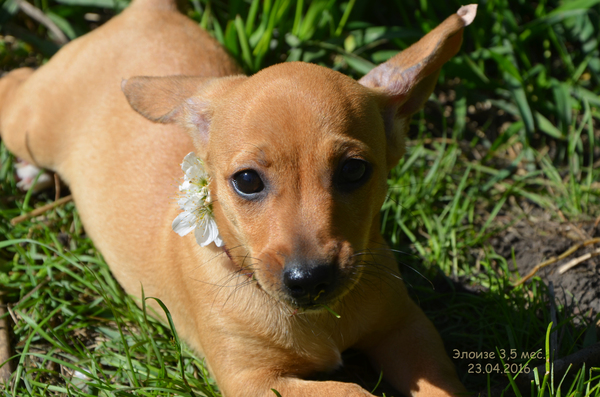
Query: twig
(28, 295)
(5, 364)
(577, 261)
(38, 15)
(56, 187)
(12, 314)
(40, 210)
(556, 259)
(561, 215)
(582, 234)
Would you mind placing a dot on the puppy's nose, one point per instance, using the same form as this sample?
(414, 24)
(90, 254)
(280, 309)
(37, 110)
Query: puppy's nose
(308, 284)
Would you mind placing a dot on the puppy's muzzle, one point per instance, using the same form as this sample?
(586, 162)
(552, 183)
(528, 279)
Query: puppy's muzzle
(308, 283)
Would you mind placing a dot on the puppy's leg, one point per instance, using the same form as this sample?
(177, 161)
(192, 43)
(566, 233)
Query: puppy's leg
(256, 383)
(34, 115)
(293, 387)
(413, 359)
(245, 363)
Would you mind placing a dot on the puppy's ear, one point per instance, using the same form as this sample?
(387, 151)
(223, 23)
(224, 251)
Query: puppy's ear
(184, 100)
(405, 82)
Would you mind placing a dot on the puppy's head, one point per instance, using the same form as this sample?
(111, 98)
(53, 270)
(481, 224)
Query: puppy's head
(298, 156)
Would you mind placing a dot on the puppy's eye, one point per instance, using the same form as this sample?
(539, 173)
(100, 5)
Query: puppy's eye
(248, 182)
(352, 174)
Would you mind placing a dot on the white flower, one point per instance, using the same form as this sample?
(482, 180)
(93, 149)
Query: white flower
(194, 200)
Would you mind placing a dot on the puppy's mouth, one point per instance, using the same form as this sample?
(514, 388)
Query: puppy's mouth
(321, 300)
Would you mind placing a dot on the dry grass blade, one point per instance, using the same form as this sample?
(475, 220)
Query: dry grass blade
(38, 15)
(40, 210)
(5, 369)
(556, 259)
(577, 261)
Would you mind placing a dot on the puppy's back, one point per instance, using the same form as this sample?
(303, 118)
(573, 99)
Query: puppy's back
(80, 85)
(71, 116)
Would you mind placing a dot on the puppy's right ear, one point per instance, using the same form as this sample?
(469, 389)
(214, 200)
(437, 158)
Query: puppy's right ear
(185, 100)
(405, 82)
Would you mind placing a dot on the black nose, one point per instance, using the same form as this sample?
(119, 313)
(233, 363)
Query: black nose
(308, 283)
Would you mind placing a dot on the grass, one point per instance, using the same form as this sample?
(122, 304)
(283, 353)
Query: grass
(74, 320)
(513, 124)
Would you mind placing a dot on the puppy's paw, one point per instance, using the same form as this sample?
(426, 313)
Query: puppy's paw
(302, 388)
(26, 174)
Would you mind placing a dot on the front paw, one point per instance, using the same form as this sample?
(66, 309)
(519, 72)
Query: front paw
(303, 388)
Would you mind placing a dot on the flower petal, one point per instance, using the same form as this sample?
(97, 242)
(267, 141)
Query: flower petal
(195, 200)
(184, 223)
(184, 186)
(219, 241)
(190, 203)
(207, 232)
(193, 167)
(188, 161)
(214, 230)
(203, 237)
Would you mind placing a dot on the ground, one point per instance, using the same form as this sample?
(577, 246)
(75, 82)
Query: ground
(536, 238)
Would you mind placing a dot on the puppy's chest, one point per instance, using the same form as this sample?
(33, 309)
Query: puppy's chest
(312, 338)
(318, 336)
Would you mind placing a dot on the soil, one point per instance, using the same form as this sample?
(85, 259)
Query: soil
(536, 238)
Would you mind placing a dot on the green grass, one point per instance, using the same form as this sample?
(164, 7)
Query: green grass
(515, 119)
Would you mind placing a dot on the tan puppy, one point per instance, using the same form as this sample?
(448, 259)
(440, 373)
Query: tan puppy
(298, 156)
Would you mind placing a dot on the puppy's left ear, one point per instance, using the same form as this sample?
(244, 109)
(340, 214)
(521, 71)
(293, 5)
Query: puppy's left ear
(406, 81)
(185, 100)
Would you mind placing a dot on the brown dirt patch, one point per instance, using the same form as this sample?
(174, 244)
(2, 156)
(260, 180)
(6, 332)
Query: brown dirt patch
(535, 238)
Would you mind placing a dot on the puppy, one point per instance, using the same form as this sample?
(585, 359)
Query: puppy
(296, 159)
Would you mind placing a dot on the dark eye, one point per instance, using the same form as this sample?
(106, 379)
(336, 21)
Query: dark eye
(353, 173)
(248, 182)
